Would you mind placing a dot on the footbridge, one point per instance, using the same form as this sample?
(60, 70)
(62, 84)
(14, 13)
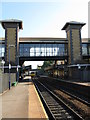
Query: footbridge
(31, 48)
(43, 49)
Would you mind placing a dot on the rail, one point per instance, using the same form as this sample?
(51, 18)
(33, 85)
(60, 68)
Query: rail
(56, 107)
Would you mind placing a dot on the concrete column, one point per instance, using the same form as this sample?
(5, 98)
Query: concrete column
(73, 30)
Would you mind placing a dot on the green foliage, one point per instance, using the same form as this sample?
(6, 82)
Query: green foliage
(47, 63)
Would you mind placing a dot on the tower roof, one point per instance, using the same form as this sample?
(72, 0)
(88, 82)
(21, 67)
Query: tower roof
(73, 23)
(11, 21)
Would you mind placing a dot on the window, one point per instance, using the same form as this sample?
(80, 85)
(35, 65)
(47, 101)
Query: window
(31, 50)
(89, 49)
(43, 49)
(84, 49)
(2, 50)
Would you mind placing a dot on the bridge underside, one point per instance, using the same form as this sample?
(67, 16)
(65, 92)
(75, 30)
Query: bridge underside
(22, 59)
(43, 58)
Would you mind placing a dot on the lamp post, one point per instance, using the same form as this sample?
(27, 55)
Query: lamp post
(10, 64)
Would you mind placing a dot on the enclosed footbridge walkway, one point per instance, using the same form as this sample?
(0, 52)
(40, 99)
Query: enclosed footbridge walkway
(43, 49)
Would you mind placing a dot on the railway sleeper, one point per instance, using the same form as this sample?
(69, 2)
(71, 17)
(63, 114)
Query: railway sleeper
(56, 104)
(62, 116)
(59, 112)
(53, 105)
(55, 109)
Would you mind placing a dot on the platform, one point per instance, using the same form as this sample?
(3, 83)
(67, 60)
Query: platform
(83, 83)
(36, 109)
(22, 101)
(73, 81)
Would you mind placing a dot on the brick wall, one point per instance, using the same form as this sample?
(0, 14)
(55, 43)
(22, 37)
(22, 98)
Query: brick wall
(76, 45)
(69, 47)
(11, 40)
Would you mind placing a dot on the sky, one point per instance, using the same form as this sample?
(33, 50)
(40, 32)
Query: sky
(45, 18)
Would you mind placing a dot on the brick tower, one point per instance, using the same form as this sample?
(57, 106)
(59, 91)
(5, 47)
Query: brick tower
(73, 30)
(11, 27)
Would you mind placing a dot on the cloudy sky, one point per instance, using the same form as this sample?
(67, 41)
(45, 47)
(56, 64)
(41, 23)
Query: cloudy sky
(45, 18)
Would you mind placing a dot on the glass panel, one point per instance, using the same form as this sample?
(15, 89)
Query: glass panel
(0, 54)
(27, 54)
(55, 51)
(66, 49)
(2, 50)
(31, 45)
(49, 49)
(58, 49)
(32, 51)
(26, 45)
(43, 49)
(21, 49)
(89, 48)
(26, 50)
(84, 49)
(21, 45)
(37, 45)
(21, 54)
(3, 45)
(37, 51)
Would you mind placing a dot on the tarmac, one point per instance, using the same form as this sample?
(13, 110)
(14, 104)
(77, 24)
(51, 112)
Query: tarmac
(22, 101)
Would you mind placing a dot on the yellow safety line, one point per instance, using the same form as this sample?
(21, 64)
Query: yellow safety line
(41, 103)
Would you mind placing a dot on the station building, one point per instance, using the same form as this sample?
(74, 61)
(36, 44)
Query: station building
(74, 51)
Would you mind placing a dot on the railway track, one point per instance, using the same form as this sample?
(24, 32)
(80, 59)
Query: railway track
(84, 99)
(55, 107)
(76, 97)
(79, 91)
(69, 92)
(77, 104)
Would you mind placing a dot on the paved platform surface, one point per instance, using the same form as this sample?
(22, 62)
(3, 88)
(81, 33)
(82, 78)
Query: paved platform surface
(73, 81)
(22, 101)
(83, 83)
(36, 109)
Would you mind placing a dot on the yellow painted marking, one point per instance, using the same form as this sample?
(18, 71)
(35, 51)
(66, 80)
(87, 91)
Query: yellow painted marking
(41, 103)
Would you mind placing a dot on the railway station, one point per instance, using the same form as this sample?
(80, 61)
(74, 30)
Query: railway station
(61, 91)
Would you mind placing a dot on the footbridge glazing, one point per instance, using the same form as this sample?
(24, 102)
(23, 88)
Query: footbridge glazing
(44, 49)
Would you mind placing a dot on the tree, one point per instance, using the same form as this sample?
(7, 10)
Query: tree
(47, 63)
